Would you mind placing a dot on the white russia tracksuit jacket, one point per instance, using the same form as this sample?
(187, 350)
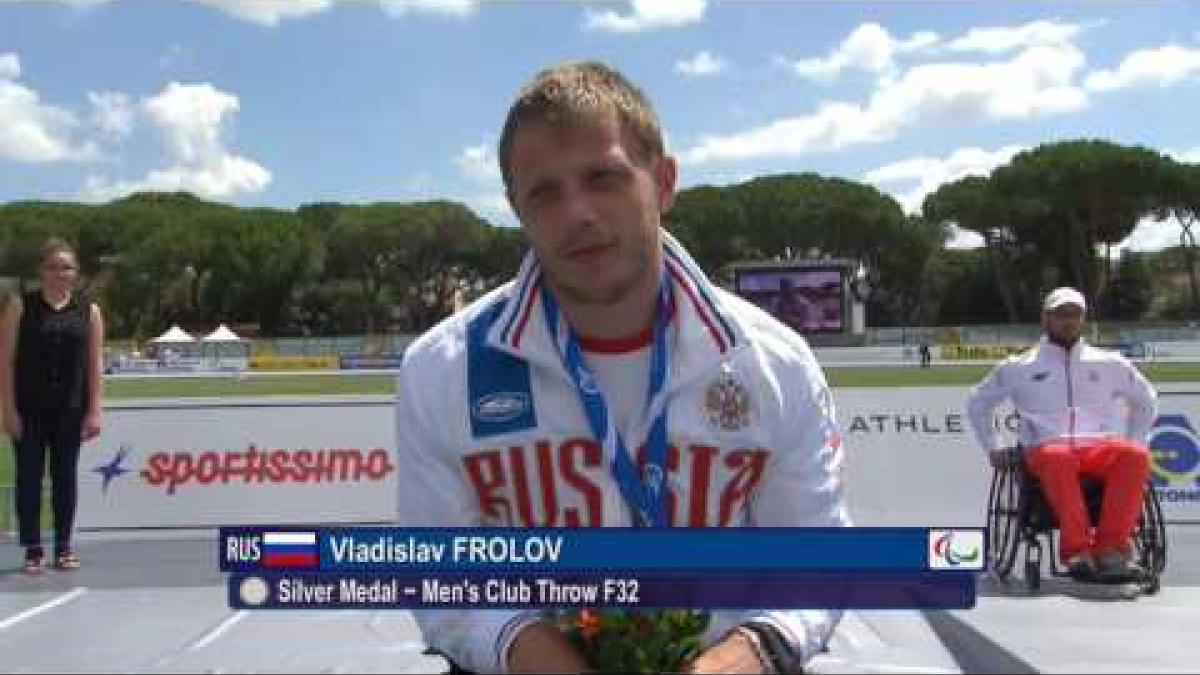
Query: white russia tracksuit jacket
(491, 432)
(1061, 395)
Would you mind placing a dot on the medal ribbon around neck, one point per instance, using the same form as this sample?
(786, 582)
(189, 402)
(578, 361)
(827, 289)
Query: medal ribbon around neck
(645, 494)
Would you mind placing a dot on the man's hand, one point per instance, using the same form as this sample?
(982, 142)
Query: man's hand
(541, 648)
(1000, 457)
(93, 422)
(734, 654)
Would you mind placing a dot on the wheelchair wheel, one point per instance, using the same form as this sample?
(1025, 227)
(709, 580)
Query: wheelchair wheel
(1150, 540)
(1004, 522)
(1152, 585)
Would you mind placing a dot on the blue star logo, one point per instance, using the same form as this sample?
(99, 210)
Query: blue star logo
(113, 469)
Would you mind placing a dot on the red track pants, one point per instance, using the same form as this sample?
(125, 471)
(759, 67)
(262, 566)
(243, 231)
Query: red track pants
(1122, 466)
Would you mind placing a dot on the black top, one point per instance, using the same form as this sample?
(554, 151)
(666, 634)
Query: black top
(52, 348)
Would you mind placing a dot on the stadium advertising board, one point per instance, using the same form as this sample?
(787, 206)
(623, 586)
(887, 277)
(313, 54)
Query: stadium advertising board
(911, 458)
(199, 464)
(810, 299)
(294, 363)
(183, 364)
(376, 362)
(959, 352)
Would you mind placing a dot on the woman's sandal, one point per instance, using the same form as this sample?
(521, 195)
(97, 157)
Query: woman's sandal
(67, 560)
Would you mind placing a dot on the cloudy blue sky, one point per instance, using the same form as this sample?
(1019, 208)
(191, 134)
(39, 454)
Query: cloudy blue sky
(281, 103)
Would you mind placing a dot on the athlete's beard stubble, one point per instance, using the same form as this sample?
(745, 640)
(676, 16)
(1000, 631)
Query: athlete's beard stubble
(582, 294)
(1065, 338)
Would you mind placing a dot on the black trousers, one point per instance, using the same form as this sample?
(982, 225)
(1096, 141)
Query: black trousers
(57, 433)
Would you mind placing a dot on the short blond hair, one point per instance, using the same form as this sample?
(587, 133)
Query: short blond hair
(582, 92)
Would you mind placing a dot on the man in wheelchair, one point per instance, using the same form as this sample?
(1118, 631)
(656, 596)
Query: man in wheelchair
(1066, 393)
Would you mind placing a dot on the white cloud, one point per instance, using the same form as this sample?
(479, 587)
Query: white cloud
(30, 130)
(227, 177)
(75, 3)
(923, 175)
(1160, 67)
(1038, 81)
(268, 12)
(274, 12)
(1155, 235)
(834, 125)
(81, 4)
(192, 119)
(1152, 235)
(10, 66)
(701, 64)
(869, 47)
(112, 113)
(1190, 156)
(646, 15)
(493, 206)
(872, 48)
(478, 162)
(485, 193)
(964, 239)
(265, 12)
(460, 9)
(1002, 39)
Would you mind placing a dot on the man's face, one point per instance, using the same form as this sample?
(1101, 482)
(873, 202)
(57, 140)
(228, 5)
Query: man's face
(1064, 323)
(590, 207)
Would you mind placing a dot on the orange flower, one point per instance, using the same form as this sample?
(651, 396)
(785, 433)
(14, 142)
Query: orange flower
(589, 623)
(633, 641)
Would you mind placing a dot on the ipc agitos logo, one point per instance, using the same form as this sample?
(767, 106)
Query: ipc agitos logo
(956, 549)
(1175, 452)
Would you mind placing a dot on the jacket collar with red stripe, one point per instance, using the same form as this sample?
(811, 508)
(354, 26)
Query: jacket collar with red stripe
(706, 331)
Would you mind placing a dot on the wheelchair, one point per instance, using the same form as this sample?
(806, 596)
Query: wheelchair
(1019, 516)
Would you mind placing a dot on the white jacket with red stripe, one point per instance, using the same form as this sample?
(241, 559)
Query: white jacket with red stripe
(490, 432)
(1061, 395)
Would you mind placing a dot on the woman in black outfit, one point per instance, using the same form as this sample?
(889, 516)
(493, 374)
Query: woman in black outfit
(50, 365)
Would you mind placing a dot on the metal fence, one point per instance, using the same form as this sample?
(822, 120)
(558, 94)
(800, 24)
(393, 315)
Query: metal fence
(1007, 334)
(350, 345)
(1023, 334)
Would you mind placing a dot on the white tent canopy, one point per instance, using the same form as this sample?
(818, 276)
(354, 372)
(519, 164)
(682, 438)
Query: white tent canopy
(175, 335)
(223, 346)
(222, 334)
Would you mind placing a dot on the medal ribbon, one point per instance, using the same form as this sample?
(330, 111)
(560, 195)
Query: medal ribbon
(645, 494)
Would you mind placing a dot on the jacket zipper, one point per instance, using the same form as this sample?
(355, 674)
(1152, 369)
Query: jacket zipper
(1070, 403)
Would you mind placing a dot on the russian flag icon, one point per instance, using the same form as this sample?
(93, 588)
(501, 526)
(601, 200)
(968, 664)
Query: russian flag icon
(290, 549)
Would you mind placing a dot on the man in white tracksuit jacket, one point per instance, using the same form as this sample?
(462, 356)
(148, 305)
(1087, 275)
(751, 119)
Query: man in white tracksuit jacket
(494, 429)
(1068, 395)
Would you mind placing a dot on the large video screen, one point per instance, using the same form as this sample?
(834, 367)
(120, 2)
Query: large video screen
(809, 299)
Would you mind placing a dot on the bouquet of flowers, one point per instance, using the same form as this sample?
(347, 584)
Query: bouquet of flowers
(632, 641)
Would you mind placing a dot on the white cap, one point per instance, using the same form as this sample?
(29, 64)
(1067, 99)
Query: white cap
(1064, 296)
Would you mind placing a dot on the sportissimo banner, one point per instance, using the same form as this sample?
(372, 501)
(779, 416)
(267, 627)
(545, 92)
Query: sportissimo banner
(222, 463)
